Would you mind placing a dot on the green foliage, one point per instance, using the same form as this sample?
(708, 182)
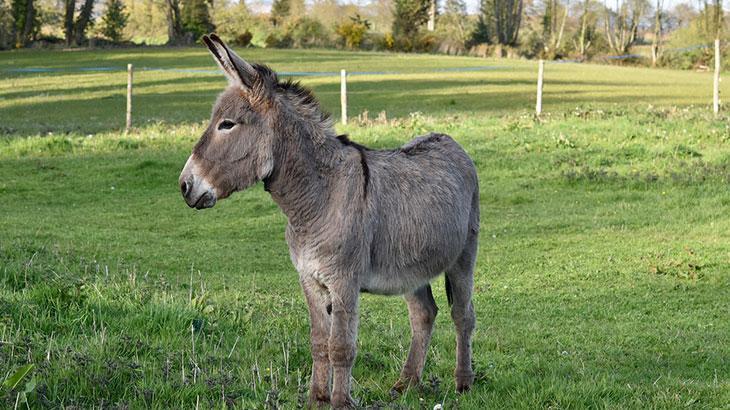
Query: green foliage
(353, 32)
(114, 20)
(283, 10)
(236, 24)
(304, 32)
(453, 24)
(6, 24)
(499, 22)
(408, 17)
(25, 21)
(307, 32)
(482, 33)
(196, 17)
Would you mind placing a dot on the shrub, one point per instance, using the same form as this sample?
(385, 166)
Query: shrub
(307, 32)
(352, 33)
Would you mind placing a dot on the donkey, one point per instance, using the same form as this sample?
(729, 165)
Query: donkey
(359, 220)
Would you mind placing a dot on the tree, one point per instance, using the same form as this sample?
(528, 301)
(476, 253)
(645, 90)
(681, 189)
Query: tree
(432, 11)
(553, 26)
(280, 11)
(353, 32)
(175, 32)
(713, 18)
(82, 22)
(6, 24)
(587, 33)
(24, 17)
(408, 17)
(114, 20)
(622, 25)
(499, 21)
(196, 18)
(484, 30)
(68, 20)
(453, 21)
(655, 42)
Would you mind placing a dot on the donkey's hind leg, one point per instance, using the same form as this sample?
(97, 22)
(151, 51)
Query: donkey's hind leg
(422, 313)
(459, 285)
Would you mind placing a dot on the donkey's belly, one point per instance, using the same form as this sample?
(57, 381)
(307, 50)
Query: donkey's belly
(396, 282)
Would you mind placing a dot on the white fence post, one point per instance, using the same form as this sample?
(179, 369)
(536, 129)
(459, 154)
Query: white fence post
(716, 82)
(343, 95)
(538, 104)
(130, 75)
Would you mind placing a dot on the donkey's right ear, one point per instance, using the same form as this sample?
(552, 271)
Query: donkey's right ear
(236, 69)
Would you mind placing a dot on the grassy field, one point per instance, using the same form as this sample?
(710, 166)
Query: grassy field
(70, 100)
(603, 277)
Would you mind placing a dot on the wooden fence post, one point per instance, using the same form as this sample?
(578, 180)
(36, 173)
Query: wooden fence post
(130, 75)
(538, 104)
(343, 95)
(716, 82)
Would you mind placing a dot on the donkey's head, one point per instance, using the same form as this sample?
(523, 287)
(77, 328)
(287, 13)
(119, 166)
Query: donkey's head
(237, 148)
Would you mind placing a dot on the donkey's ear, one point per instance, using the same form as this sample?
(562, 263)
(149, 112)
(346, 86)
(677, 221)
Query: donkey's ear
(236, 69)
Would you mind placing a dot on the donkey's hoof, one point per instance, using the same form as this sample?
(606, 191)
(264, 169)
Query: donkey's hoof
(402, 385)
(464, 382)
(343, 402)
(317, 401)
(318, 404)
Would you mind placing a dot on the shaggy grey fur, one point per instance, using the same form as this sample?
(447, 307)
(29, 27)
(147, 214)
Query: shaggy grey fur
(359, 220)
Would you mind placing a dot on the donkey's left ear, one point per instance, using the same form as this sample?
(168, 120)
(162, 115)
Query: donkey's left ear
(236, 69)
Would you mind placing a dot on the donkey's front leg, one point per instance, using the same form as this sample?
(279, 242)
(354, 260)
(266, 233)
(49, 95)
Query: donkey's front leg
(318, 301)
(343, 336)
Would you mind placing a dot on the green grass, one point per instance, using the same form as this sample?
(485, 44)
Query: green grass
(603, 273)
(84, 102)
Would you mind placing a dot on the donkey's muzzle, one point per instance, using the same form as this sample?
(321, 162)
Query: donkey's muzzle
(197, 197)
(196, 190)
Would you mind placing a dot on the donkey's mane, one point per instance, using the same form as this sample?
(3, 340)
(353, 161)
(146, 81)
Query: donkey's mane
(302, 97)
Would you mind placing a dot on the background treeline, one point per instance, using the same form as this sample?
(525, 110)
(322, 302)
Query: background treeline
(639, 31)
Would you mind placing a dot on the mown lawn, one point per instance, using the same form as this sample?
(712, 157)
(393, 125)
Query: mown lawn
(603, 276)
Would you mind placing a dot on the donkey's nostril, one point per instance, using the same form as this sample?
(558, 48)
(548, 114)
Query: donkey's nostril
(184, 188)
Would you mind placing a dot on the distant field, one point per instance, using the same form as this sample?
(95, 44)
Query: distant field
(93, 101)
(602, 281)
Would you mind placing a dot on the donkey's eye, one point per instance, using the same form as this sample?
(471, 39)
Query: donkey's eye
(226, 125)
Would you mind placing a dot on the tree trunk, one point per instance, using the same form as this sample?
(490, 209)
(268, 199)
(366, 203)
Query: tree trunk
(582, 47)
(29, 22)
(431, 26)
(174, 23)
(82, 21)
(68, 21)
(657, 34)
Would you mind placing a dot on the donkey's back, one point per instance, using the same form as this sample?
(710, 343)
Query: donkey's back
(423, 205)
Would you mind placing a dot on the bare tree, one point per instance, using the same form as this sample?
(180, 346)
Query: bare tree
(553, 27)
(622, 25)
(656, 42)
(584, 41)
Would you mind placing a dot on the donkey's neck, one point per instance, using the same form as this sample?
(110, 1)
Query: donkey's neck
(304, 172)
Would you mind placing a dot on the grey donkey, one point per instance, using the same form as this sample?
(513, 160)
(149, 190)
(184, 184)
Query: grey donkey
(359, 220)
